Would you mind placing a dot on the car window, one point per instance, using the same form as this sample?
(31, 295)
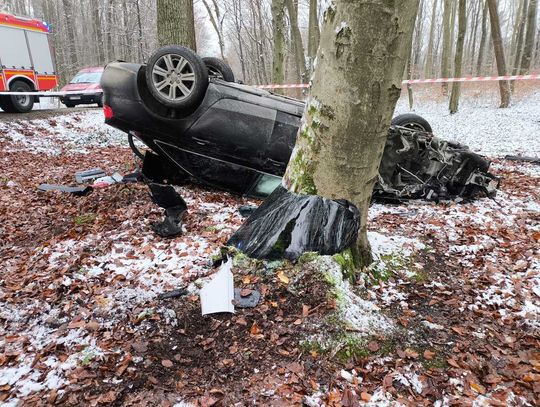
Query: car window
(87, 77)
(266, 185)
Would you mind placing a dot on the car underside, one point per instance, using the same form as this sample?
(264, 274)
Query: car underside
(239, 138)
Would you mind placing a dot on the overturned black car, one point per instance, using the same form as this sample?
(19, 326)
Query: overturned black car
(201, 126)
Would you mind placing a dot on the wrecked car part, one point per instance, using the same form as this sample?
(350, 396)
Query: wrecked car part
(239, 138)
(415, 164)
(218, 294)
(84, 177)
(115, 178)
(534, 160)
(78, 191)
(287, 225)
(173, 294)
(166, 197)
(247, 210)
(217, 68)
(246, 301)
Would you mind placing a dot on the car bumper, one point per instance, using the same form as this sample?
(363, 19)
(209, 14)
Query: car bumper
(81, 98)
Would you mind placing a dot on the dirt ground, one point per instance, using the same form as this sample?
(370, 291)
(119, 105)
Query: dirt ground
(81, 321)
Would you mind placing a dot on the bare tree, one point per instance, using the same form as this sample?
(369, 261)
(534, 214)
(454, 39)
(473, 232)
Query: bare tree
(216, 18)
(456, 86)
(447, 43)
(499, 51)
(278, 23)
(314, 33)
(483, 40)
(529, 38)
(340, 144)
(296, 39)
(428, 71)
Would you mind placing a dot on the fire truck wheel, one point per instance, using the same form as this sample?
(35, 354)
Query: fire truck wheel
(23, 103)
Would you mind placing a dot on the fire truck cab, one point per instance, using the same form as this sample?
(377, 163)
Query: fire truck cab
(26, 63)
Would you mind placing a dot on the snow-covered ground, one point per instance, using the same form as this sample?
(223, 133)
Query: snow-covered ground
(484, 127)
(122, 270)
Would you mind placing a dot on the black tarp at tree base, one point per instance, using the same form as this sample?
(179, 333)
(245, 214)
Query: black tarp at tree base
(287, 225)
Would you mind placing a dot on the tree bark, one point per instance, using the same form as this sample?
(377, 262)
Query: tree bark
(176, 23)
(529, 38)
(278, 25)
(499, 51)
(456, 86)
(344, 130)
(296, 37)
(483, 40)
(447, 43)
(314, 33)
(428, 71)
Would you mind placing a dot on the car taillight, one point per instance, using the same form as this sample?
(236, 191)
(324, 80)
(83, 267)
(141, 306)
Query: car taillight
(107, 110)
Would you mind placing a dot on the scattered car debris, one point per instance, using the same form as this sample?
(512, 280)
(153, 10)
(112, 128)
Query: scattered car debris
(84, 177)
(115, 178)
(78, 191)
(166, 197)
(415, 164)
(247, 210)
(218, 294)
(173, 294)
(534, 160)
(287, 225)
(239, 138)
(246, 301)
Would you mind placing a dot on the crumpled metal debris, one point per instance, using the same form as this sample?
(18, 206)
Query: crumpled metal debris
(287, 225)
(415, 164)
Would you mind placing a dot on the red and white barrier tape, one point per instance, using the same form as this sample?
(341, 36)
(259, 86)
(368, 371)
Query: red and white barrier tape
(418, 81)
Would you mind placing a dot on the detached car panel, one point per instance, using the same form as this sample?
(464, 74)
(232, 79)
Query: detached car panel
(240, 138)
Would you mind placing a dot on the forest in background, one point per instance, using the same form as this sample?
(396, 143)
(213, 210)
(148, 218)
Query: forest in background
(93, 32)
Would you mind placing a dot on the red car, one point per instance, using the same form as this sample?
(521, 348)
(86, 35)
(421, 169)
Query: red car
(84, 88)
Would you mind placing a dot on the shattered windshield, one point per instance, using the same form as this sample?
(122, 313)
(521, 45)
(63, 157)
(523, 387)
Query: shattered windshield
(87, 77)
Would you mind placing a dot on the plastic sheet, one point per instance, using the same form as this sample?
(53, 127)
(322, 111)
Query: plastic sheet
(287, 225)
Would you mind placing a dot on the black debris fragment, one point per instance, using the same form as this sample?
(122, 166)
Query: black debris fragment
(246, 210)
(288, 224)
(248, 301)
(173, 294)
(534, 160)
(166, 197)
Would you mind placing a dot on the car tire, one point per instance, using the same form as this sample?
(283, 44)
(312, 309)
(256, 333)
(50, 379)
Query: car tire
(23, 103)
(412, 121)
(176, 77)
(100, 101)
(217, 68)
(70, 105)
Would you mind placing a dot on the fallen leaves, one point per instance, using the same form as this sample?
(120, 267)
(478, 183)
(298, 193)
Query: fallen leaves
(167, 363)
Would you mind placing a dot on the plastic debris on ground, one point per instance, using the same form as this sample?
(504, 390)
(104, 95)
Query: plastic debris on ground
(287, 225)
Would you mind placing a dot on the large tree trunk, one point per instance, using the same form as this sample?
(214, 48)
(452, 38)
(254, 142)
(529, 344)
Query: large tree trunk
(344, 130)
(458, 61)
(529, 38)
(428, 71)
(499, 51)
(278, 25)
(447, 43)
(483, 40)
(176, 23)
(314, 33)
(297, 45)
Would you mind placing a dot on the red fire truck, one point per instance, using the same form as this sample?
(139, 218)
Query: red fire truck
(26, 63)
